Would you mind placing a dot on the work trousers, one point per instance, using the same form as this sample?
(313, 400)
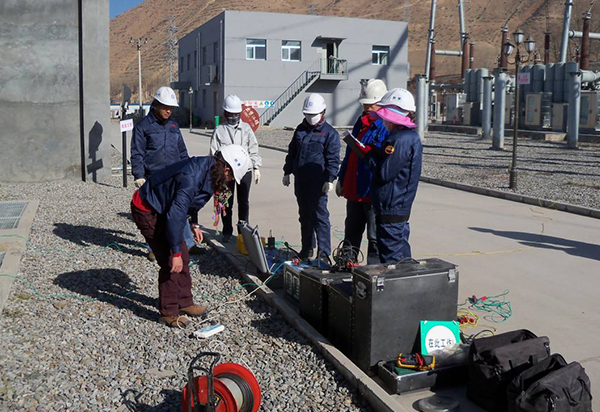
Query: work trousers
(314, 216)
(174, 289)
(243, 200)
(358, 216)
(392, 239)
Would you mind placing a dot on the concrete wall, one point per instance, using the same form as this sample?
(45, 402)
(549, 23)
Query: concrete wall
(267, 79)
(40, 89)
(206, 36)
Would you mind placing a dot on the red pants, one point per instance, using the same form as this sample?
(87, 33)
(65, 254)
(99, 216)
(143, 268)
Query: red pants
(174, 289)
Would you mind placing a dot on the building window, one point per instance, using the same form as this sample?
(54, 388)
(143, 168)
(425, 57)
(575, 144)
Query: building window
(256, 49)
(204, 98)
(189, 60)
(215, 52)
(204, 59)
(380, 55)
(181, 66)
(195, 59)
(290, 50)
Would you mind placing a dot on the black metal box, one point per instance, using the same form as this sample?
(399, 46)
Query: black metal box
(291, 282)
(414, 380)
(313, 295)
(389, 301)
(339, 315)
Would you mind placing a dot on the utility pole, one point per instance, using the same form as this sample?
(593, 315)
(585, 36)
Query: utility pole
(139, 43)
(171, 44)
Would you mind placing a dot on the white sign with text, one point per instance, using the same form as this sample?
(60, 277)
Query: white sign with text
(524, 78)
(126, 125)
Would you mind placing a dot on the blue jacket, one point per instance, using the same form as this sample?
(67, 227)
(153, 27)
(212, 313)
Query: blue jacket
(177, 191)
(155, 146)
(314, 153)
(373, 137)
(396, 171)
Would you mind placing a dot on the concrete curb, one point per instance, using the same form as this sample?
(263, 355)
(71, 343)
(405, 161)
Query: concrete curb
(515, 197)
(14, 245)
(377, 397)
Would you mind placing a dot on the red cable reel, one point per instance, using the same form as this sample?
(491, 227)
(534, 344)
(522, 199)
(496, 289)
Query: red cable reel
(227, 387)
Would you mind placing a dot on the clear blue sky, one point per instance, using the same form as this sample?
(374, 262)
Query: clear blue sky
(120, 6)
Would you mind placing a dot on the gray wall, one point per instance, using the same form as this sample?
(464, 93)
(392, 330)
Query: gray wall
(266, 80)
(207, 35)
(40, 127)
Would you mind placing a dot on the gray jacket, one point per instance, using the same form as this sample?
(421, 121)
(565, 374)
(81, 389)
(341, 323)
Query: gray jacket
(241, 135)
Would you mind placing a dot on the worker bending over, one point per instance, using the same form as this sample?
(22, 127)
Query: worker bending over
(235, 131)
(354, 180)
(160, 209)
(396, 170)
(313, 158)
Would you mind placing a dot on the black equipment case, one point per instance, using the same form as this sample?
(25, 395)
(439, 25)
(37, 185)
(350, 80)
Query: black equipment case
(389, 301)
(339, 316)
(419, 380)
(314, 302)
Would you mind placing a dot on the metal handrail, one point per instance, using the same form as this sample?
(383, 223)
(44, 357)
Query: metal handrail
(298, 84)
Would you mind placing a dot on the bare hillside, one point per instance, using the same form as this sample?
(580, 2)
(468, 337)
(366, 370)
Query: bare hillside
(484, 20)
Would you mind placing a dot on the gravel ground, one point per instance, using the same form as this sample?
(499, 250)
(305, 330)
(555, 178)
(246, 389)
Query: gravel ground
(87, 338)
(546, 170)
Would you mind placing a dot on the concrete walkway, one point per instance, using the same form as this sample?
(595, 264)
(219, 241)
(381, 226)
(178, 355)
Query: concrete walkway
(548, 260)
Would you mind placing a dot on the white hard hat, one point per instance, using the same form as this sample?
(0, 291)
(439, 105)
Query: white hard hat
(232, 104)
(401, 98)
(166, 96)
(372, 92)
(237, 157)
(313, 104)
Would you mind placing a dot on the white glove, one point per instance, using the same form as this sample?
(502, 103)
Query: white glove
(256, 176)
(139, 182)
(338, 189)
(286, 180)
(328, 187)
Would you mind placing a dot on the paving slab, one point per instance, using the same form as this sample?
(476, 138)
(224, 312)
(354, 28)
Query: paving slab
(12, 244)
(548, 260)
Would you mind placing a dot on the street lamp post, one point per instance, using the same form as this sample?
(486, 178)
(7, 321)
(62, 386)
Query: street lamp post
(139, 43)
(508, 49)
(191, 92)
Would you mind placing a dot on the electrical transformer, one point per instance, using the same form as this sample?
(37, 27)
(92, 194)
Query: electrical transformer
(589, 110)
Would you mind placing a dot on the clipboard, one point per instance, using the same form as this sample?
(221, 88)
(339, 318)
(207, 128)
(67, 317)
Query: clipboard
(355, 145)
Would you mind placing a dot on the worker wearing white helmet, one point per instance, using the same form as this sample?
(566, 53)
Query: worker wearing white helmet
(354, 180)
(160, 209)
(396, 168)
(235, 131)
(157, 143)
(313, 158)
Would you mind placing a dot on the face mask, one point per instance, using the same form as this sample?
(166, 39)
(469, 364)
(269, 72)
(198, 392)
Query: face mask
(313, 119)
(233, 120)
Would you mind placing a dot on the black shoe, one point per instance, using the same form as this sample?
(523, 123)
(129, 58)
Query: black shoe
(226, 238)
(305, 254)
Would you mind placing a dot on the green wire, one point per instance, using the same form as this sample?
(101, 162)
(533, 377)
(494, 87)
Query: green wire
(49, 297)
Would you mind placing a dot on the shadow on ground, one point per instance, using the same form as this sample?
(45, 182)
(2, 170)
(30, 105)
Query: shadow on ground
(538, 240)
(109, 285)
(85, 236)
(171, 402)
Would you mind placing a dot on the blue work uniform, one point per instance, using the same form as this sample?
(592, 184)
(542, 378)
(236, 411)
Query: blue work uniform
(396, 171)
(314, 159)
(177, 191)
(155, 145)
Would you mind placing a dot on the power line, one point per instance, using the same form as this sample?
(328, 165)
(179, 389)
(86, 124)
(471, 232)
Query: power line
(483, 12)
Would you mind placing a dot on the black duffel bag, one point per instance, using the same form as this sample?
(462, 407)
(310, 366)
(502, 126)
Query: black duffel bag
(551, 385)
(494, 361)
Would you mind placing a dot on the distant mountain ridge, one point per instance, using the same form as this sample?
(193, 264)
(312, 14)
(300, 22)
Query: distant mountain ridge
(484, 19)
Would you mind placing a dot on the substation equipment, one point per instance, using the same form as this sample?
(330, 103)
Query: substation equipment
(553, 97)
